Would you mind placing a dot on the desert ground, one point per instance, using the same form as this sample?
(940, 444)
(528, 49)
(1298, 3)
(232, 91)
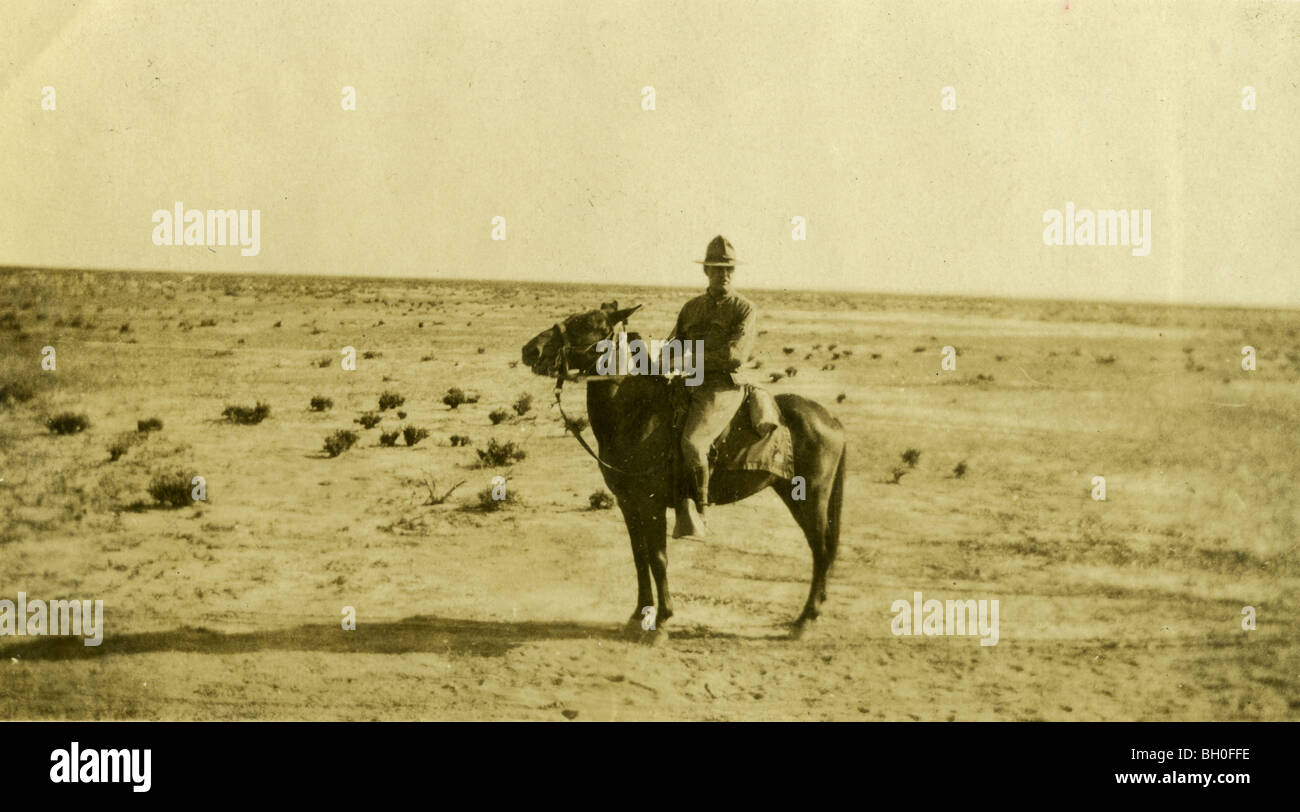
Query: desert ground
(231, 608)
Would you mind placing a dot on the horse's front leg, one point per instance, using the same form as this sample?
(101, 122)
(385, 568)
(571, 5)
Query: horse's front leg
(641, 558)
(657, 542)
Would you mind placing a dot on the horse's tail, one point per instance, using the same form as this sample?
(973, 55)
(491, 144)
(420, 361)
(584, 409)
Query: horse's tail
(832, 540)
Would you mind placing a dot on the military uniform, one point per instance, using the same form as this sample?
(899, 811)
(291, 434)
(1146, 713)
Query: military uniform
(725, 323)
(726, 326)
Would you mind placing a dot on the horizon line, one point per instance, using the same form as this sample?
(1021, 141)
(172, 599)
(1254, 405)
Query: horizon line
(5, 268)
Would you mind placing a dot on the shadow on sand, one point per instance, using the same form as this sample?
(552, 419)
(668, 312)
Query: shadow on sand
(480, 638)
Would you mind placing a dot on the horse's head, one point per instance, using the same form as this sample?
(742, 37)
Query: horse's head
(570, 344)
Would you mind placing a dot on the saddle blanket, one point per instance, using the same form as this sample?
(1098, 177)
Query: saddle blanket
(751, 443)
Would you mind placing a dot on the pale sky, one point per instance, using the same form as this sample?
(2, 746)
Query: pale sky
(764, 111)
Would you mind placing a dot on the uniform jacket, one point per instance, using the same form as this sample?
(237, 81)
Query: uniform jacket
(726, 325)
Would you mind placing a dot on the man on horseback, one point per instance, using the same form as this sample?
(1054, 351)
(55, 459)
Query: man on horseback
(630, 441)
(724, 321)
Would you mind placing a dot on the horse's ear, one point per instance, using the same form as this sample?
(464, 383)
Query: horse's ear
(609, 307)
(621, 315)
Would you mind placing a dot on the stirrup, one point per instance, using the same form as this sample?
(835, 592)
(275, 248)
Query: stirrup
(690, 522)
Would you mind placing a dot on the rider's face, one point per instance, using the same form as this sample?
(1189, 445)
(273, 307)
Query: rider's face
(719, 277)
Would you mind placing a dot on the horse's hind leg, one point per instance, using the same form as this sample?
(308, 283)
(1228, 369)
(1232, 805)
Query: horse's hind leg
(811, 515)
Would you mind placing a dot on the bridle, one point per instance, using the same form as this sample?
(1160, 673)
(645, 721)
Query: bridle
(562, 374)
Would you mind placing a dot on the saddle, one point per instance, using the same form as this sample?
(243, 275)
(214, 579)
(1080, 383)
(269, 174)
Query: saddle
(756, 439)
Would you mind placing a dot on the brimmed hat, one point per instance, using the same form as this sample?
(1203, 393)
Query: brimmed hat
(719, 253)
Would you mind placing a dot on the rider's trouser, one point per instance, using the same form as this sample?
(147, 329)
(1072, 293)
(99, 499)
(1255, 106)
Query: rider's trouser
(712, 405)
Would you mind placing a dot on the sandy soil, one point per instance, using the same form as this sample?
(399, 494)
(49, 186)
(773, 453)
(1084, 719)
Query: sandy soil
(1128, 608)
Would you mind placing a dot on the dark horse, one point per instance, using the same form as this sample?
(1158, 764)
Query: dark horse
(631, 418)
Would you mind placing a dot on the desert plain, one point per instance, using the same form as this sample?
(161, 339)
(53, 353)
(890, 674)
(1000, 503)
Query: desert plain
(1131, 607)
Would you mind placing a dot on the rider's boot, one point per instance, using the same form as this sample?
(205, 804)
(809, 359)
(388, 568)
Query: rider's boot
(690, 511)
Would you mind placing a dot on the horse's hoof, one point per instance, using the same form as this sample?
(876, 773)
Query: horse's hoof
(633, 633)
(801, 629)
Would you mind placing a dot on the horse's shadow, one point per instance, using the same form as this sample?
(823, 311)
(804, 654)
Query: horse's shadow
(482, 638)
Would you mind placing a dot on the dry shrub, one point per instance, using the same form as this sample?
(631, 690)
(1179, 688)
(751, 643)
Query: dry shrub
(368, 420)
(497, 454)
(245, 415)
(340, 441)
(413, 435)
(68, 423)
(172, 489)
(488, 502)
